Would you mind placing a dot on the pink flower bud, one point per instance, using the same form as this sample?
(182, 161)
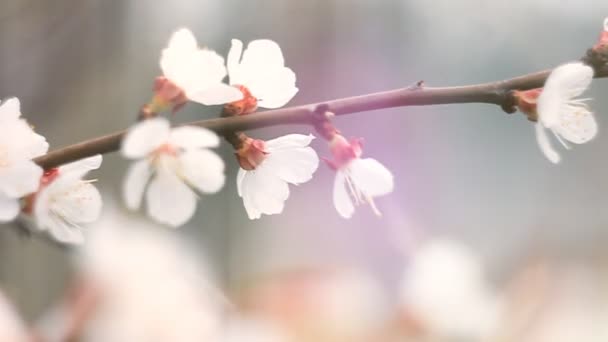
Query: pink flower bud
(251, 154)
(247, 105)
(344, 151)
(526, 102)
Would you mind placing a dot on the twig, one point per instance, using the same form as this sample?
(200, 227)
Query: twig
(497, 93)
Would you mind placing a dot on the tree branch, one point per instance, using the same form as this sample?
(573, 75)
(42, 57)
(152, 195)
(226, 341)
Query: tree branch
(498, 93)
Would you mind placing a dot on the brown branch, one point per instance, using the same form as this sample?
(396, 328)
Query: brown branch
(498, 93)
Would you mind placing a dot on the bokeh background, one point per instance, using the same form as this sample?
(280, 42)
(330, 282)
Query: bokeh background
(82, 68)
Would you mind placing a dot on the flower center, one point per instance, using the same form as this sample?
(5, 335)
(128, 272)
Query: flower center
(47, 178)
(359, 197)
(344, 151)
(247, 105)
(167, 96)
(251, 153)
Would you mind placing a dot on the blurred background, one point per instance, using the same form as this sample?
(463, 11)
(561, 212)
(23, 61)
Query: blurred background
(468, 173)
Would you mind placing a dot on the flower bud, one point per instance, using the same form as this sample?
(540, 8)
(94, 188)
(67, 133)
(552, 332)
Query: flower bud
(526, 102)
(247, 105)
(251, 153)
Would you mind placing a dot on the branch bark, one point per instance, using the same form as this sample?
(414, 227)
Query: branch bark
(497, 93)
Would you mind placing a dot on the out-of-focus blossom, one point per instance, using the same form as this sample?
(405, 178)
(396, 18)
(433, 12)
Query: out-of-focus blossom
(560, 111)
(248, 329)
(12, 328)
(135, 282)
(261, 75)
(150, 289)
(574, 306)
(19, 144)
(190, 73)
(330, 305)
(178, 161)
(358, 180)
(65, 200)
(446, 291)
(267, 168)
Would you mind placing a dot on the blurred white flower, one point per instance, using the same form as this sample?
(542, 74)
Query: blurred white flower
(65, 200)
(261, 74)
(248, 329)
(267, 168)
(323, 305)
(445, 288)
(358, 180)
(560, 111)
(19, 144)
(195, 71)
(12, 328)
(150, 288)
(178, 161)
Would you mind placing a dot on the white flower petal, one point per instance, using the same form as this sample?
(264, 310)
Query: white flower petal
(262, 70)
(295, 166)
(80, 202)
(289, 141)
(63, 231)
(371, 177)
(577, 126)
(191, 137)
(545, 145)
(18, 141)
(276, 89)
(169, 200)
(145, 137)
(182, 39)
(263, 192)
(138, 176)
(82, 166)
(291, 159)
(193, 71)
(9, 208)
(262, 54)
(234, 57)
(240, 177)
(20, 178)
(564, 84)
(10, 109)
(203, 169)
(243, 180)
(216, 95)
(606, 24)
(342, 201)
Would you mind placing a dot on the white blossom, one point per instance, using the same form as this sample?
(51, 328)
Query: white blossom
(198, 72)
(446, 289)
(262, 71)
(67, 201)
(264, 188)
(175, 162)
(358, 180)
(150, 287)
(562, 112)
(19, 144)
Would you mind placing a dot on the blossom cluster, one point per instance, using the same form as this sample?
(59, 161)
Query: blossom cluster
(57, 200)
(174, 165)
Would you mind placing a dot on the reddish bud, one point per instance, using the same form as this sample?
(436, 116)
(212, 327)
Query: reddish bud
(251, 153)
(526, 102)
(47, 178)
(344, 151)
(247, 105)
(167, 96)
